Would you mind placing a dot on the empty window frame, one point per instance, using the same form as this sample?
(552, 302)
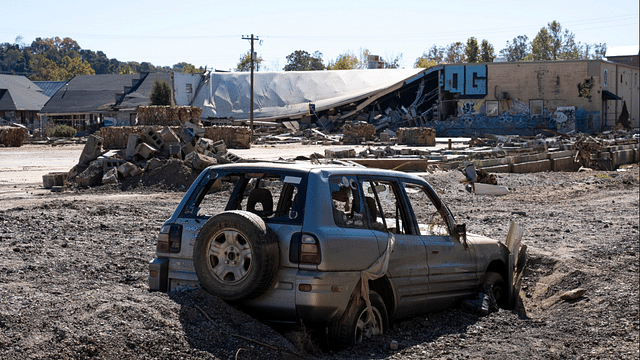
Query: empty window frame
(491, 108)
(536, 107)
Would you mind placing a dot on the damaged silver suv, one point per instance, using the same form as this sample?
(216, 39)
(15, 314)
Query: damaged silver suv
(347, 247)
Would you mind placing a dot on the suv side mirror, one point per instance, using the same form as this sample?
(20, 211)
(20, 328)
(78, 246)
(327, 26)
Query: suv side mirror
(460, 233)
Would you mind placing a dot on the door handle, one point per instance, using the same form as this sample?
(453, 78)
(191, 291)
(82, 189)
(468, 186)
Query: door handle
(434, 251)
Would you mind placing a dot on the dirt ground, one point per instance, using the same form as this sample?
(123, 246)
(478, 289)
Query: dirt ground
(74, 267)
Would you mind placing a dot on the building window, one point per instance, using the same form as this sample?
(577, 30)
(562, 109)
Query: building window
(604, 77)
(536, 107)
(491, 108)
(189, 89)
(454, 80)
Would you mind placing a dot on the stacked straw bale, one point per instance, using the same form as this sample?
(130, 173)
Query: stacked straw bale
(12, 135)
(168, 115)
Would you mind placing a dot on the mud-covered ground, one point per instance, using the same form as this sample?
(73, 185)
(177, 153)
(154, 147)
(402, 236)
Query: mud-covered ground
(74, 267)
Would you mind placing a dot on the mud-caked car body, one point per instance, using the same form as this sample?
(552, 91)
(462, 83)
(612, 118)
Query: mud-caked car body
(301, 242)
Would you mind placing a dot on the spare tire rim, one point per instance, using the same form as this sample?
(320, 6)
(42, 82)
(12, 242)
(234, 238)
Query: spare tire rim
(368, 326)
(230, 256)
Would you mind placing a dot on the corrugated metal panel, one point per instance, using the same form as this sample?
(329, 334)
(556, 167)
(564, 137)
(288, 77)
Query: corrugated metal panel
(285, 94)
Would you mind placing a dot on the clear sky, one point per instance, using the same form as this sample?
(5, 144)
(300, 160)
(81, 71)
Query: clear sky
(209, 33)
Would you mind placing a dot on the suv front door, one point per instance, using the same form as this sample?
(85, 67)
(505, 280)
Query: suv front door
(387, 213)
(452, 264)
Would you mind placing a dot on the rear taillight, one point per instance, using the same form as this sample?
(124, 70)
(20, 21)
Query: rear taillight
(170, 238)
(304, 249)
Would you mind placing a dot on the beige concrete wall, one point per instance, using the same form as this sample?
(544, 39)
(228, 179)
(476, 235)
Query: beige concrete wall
(554, 82)
(628, 89)
(561, 83)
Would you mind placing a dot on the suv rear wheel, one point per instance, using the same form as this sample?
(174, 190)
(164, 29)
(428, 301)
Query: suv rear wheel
(356, 325)
(236, 256)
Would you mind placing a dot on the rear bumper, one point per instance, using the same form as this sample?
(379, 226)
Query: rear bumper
(306, 295)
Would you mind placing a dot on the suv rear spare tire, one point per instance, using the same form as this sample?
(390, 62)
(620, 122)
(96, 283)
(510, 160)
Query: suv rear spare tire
(236, 256)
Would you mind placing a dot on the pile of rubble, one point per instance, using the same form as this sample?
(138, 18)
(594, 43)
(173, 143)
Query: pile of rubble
(166, 158)
(495, 154)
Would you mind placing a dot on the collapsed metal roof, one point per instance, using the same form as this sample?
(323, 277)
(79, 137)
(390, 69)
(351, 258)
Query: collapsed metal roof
(288, 94)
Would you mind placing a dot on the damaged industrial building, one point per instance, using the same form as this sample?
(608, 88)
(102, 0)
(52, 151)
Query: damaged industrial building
(521, 98)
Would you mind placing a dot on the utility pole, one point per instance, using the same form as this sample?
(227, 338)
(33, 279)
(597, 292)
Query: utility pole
(252, 38)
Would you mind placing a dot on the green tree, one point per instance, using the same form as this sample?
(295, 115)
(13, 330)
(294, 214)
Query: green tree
(486, 52)
(455, 53)
(187, 68)
(76, 66)
(424, 62)
(245, 62)
(345, 61)
(471, 51)
(519, 50)
(45, 69)
(301, 60)
(160, 93)
(552, 43)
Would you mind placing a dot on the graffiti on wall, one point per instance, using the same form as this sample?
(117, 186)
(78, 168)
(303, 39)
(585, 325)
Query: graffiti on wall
(584, 89)
(518, 107)
(470, 107)
(564, 119)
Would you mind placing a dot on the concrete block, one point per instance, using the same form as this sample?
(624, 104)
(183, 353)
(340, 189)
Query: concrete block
(54, 179)
(532, 166)
(203, 145)
(110, 163)
(559, 154)
(530, 157)
(145, 150)
(564, 164)
(507, 160)
(219, 147)
(152, 138)
(188, 148)
(132, 142)
(169, 136)
(153, 164)
(92, 176)
(340, 153)
(196, 130)
(126, 169)
(199, 161)
(505, 168)
(622, 157)
(92, 149)
(110, 177)
(174, 150)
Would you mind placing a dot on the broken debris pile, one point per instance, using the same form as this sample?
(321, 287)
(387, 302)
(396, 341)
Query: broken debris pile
(166, 158)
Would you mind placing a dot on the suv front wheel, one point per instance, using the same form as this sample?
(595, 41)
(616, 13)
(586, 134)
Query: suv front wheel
(236, 256)
(356, 324)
